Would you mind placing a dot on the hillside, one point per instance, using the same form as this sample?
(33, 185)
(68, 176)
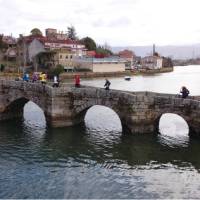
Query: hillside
(175, 52)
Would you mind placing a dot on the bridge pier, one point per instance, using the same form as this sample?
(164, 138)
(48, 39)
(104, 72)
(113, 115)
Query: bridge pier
(194, 129)
(59, 121)
(142, 128)
(136, 124)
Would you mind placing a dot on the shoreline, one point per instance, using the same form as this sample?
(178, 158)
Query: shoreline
(70, 75)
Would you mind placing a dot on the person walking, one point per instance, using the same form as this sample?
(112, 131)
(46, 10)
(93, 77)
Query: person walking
(185, 92)
(34, 77)
(107, 84)
(26, 77)
(77, 81)
(55, 81)
(43, 77)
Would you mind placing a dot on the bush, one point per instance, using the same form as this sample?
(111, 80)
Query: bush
(2, 67)
(56, 71)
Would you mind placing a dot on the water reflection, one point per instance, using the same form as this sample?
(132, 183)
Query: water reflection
(75, 163)
(102, 125)
(174, 130)
(34, 116)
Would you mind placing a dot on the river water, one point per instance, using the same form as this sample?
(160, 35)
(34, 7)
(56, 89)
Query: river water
(95, 159)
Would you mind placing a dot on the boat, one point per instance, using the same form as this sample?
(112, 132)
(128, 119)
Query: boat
(127, 78)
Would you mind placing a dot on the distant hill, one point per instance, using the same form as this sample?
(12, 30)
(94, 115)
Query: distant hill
(174, 52)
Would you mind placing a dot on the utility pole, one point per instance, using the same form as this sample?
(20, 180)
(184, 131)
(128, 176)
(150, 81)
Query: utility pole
(154, 49)
(18, 58)
(24, 54)
(7, 52)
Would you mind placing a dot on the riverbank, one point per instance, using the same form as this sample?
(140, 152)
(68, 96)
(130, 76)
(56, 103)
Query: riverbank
(70, 75)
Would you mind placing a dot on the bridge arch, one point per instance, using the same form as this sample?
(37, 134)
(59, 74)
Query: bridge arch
(80, 112)
(15, 108)
(102, 118)
(174, 112)
(173, 125)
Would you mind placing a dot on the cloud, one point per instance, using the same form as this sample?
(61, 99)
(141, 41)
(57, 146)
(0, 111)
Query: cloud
(118, 22)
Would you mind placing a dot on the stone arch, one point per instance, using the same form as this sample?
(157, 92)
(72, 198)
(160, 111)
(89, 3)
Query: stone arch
(80, 112)
(180, 114)
(14, 107)
(173, 125)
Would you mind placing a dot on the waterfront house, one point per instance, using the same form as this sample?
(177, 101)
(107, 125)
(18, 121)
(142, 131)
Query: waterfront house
(152, 62)
(108, 64)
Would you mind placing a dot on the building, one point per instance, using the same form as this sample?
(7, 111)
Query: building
(152, 62)
(64, 57)
(128, 56)
(109, 64)
(33, 48)
(28, 47)
(52, 33)
(91, 53)
(10, 41)
(11, 48)
(74, 46)
(11, 54)
(136, 62)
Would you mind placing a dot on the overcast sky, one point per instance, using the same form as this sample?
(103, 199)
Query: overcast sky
(116, 22)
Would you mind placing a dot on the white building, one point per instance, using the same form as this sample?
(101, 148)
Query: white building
(110, 64)
(152, 62)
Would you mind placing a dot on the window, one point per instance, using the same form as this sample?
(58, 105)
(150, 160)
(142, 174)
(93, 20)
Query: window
(60, 56)
(66, 57)
(71, 57)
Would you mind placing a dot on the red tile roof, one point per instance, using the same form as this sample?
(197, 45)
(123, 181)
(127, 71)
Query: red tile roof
(91, 53)
(47, 40)
(126, 54)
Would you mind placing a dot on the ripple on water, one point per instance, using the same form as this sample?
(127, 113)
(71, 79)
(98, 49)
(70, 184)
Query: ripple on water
(95, 161)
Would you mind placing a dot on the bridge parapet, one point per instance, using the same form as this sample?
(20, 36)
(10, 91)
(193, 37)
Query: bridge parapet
(26, 86)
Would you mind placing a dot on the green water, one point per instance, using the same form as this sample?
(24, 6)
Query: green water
(96, 159)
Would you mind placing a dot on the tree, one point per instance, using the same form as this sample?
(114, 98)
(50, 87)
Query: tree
(103, 52)
(36, 32)
(71, 33)
(89, 43)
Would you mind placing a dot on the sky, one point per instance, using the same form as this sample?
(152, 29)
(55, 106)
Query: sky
(114, 22)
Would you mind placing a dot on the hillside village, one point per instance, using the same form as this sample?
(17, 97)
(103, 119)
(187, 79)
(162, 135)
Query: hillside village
(63, 52)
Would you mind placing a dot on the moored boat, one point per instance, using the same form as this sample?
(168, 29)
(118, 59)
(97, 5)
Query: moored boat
(127, 78)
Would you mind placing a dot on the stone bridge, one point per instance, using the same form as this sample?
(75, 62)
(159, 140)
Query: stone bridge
(66, 106)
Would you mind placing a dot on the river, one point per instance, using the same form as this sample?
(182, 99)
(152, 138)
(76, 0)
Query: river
(95, 159)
